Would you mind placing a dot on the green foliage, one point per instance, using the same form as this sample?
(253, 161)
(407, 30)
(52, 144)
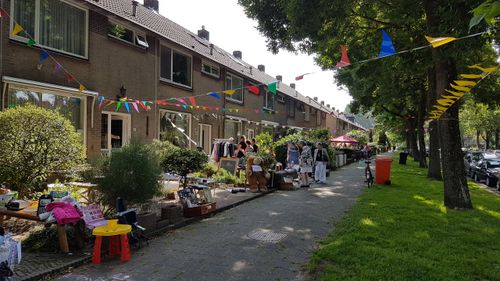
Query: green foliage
(223, 176)
(289, 138)
(360, 136)
(207, 171)
(264, 141)
(162, 148)
(184, 161)
(45, 240)
(322, 135)
(488, 10)
(409, 230)
(117, 30)
(133, 174)
(268, 160)
(35, 142)
(479, 117)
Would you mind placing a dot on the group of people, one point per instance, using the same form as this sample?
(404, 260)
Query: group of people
(300, 157)
(244, 147)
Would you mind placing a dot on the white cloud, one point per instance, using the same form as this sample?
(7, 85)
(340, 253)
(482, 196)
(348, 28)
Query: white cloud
(231, 30)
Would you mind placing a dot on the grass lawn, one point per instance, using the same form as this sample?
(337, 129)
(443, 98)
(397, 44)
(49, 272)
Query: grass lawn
(404, 232)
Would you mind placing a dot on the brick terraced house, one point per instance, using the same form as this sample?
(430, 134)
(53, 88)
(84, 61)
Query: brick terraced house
(120, 48)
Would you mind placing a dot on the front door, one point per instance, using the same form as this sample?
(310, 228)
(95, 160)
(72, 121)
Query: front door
(205, 137)
(115, 130)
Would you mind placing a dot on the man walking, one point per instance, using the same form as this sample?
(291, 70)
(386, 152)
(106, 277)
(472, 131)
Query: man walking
(321, 159)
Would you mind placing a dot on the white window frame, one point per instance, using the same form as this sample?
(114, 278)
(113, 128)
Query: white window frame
(172, 50)
(252, 133)
(190, 120)
(266, 96)
(280, 97)
(234, 120)
(229, 97)
(212, 66)
(36, 36)
(127, 118)
(200, 143)
(135, 35)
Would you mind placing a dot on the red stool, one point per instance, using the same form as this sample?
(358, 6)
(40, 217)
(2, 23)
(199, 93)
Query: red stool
(118, 240)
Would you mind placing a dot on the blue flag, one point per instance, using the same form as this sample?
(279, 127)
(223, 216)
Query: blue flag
(387, 47)
(127, 107)
(44, 55)
(215, 95)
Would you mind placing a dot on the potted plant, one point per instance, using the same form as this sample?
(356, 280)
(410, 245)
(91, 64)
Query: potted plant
(183, 162)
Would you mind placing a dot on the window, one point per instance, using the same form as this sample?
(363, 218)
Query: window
(115, 130)
(232, 128)
(280, 98)
(210, 70)
(205, 137)
(120, 32)
(291, 108)
(250, 134)
(71, 107)
(175, 67)
(269, 100)
(306, 113)
(175, 127)
(234, 83)
(53, 24)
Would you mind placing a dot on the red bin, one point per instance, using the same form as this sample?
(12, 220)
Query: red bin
(382, 169)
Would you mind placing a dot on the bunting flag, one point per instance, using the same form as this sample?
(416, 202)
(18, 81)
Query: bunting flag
(135, 106)
(118, 105)
(43, 55)
(181, 100)
(31, 42)
(227, 92)
(57, 68)
(69, 77)
(254, 89)
(439, 41)
(192, 101)
(215, 95)
(127, 107)
(102, 102)
(82, 88)
(387, 48)
(272, 87)
(17, 29)
(2, 13)
(300, 77)
(143, 105)
(344, 60)
(462, 87)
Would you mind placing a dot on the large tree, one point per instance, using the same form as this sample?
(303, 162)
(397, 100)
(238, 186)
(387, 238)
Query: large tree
(320, 26)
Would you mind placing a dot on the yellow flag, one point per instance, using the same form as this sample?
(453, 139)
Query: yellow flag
(445, 102)
(460, 88)
(451, 97)
(229, 92)
(458, 94)
(471, 76)
(440, 108)
(82, 88)
(17, 29)
(439, 41)
(465, 83)
(487, 70)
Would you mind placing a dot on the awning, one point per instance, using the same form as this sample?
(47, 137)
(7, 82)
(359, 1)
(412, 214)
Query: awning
(343, 139)
(269, 123)
(25, 83)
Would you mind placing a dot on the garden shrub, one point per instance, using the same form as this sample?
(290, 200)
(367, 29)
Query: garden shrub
(360, 136)
(35, 142)
(162, 148)
(132, 174)
(264, 142)
(183, 162)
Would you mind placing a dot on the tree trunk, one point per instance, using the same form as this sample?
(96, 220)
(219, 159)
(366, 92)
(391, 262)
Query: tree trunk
(488, 139)
(478, 140)
(434, 171)
(412, 137)
(456, 192)
(421, 132)
(497, 141)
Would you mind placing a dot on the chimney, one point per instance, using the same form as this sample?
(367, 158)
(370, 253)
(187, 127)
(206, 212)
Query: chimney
(292, 85)
(204, 33)
(316, 98)
(134, 7)
(261, 67)
(279, 78)
(322, 102)
(328, 105)
(211, 49)
(152, 4)
(238, 54)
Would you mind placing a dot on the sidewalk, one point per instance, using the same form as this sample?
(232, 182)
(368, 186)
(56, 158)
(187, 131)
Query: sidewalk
(266, 239)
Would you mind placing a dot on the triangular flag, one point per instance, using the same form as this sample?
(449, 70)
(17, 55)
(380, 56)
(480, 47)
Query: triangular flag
(143, 105)
(2, 13)
(460, 88)
(344, 60)
(228, 92)
(69, 77)
(17, 28)
(127, 107)
(300, 77)
(471, 76)
(439, 41)
(102, 102)
(31, 42)
(44, 55)
(135, 106)
(272, 87)
(257, 111)
(465, 83)
(145, 102)
(118, 105)
(191, 107)
(192, 101)
(57, 68)
(487, 70)
(82, 88)
(184, 106)
(214, 94)
(387, 48)
(254, 89)
(181, 100)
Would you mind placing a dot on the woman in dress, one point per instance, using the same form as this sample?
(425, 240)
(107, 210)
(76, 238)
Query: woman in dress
(305, 162)
(292, 155)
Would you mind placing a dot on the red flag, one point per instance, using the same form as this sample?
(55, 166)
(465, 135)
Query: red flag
(192, 101)
(344, 61)
(254, 89)
(2, 13)
(181, 101)
(69, 77)
(300, 77)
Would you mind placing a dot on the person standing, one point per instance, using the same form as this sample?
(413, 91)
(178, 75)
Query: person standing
(254, 145)
(305, 162)
(292, 155)
(242, 146)
(321, 159)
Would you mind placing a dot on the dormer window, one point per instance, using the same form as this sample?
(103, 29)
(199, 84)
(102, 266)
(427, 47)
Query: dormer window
(128, 35)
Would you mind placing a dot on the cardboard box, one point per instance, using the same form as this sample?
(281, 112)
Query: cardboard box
(200, 210)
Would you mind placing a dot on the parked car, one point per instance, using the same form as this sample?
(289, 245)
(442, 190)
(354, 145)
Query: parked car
(469, 159)
(489, 170)
(477, 159)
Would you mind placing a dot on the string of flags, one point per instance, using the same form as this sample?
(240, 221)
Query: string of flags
(387, 49)
(459, 88)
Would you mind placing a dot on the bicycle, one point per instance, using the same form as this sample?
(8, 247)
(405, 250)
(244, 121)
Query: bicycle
(368, 174)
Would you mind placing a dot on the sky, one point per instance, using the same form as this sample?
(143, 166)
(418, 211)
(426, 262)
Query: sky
(232, 30)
